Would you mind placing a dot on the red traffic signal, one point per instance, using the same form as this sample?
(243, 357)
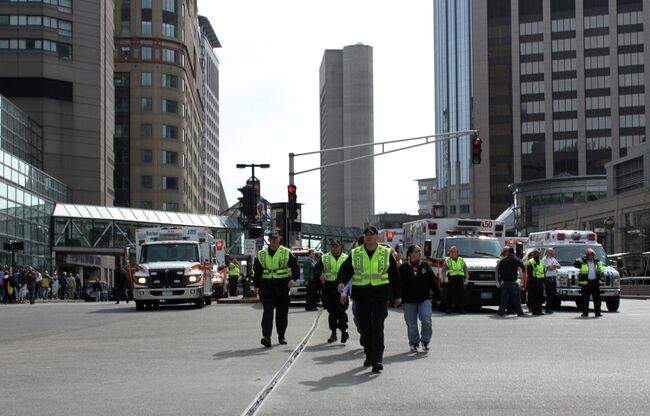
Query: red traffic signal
(293, 196)
(219, 244)
(476, 151)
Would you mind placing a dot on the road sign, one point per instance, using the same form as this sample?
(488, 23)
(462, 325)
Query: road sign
(250, 246)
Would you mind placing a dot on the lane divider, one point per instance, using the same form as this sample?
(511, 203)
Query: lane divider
(261, 397)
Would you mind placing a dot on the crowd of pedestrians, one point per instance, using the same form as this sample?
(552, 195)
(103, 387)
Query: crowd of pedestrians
(27, 284)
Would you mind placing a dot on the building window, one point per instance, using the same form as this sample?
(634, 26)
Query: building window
(598, 123)
(631, 120)
(146, 79)
(169, 106)
(532, 107)
(596, 21)
(531, 48)
(169, 158)
(596, 103)
(146, 53)
(595, 42)
(147, 182)
(532, 127)
(534, 87)
(169, 55)
(146, 104)
(593, 62)
(564, 85)
(563, 25)
(569, 104)
(146, 130)
(532, 28)
(147, 156)
(592, 83)
(146, 28)
(565, 145)
(565, 125)
(170, 183)
(169, 80)
(169, 30)
(628, 59)
(64, 50)
(631, 80)
(562, 65)
(146, 4)
(125, 51)
(535, 67)
(169, 132)
(631, 18)
(599, 143)
(561, 45)
(631, 100)
(169, 6)
(633, 38)
(170, 206)
(629, 175)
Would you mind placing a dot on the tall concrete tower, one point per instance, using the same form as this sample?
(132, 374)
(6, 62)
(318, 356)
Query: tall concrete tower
(346, 114)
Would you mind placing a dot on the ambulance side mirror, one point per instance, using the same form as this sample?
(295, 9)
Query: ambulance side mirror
(427, 248)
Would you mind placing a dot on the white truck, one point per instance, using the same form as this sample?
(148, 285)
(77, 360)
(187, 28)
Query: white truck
(479, 242)
(174, 265)
(568, 246)
(392, 238)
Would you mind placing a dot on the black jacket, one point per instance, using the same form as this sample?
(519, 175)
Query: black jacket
(369, 292)
(508, 267)
(418, 282)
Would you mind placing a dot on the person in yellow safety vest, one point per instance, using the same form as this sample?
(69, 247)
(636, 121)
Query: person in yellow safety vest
(373, 272)
(276, 271)
(536, 279)
(591, 270)
(233, 277)
(455, 275)
(327, 269)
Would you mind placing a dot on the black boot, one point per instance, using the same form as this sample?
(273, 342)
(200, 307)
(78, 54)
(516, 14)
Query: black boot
(332, 337)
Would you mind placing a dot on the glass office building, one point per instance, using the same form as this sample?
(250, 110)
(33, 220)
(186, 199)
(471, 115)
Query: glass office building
(453, 82)
(27, 194)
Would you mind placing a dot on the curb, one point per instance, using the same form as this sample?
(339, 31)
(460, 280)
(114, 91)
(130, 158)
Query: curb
(639, 297)
(237, 299)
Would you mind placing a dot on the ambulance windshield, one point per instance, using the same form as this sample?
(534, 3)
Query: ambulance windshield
(566, 255)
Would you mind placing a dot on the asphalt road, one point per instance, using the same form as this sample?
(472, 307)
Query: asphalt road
(106, 359)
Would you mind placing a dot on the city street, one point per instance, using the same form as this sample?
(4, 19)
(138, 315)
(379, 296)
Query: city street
(103, 359)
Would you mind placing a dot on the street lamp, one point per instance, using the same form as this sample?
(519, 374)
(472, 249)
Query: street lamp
(253, 179)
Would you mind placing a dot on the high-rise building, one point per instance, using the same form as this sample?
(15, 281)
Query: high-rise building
(556, 89)
(346, 118)
(57, 66)
(158, 105)
(210, 67)
(427, 195)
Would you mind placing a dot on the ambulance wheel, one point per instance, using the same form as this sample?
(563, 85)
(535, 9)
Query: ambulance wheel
(139, 305)
(612, 305)
(208, 301)
(199, 304)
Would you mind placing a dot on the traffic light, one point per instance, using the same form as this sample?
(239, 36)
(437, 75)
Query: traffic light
(293, 202)
(476, 150)
(248, 202)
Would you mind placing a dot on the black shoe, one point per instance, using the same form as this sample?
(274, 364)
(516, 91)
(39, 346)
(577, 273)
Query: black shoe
(549, 312)
(599, 314)
(282, 340)
(425, 346)
(344, 336)
(414, 348)
(502, 314)
(521, 314)
(584, 315)
(266, 341)
(117, 303)
(367, 363)
(332, 337)
(377, 368)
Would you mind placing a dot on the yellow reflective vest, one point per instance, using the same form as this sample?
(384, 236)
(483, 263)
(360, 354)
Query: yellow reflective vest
(331, 265)
(369, 271)
(538, 268)
(276, 266)
(234, 271)
(455, 267)
(583, 277)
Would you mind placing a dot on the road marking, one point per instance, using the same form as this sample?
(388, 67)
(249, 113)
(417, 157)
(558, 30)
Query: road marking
(261, 397)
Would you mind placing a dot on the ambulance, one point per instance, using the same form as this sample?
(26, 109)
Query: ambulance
(392, 238)
(479, 242)
(570, 245)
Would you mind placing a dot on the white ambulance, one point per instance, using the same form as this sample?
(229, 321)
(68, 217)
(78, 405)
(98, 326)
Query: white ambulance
(479, 242)
(392, 238)
(570, 245)
(173, 265)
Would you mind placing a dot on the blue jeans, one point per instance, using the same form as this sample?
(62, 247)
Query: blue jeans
(411, 313)
(98, 296)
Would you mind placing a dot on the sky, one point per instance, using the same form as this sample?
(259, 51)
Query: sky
(269, 91)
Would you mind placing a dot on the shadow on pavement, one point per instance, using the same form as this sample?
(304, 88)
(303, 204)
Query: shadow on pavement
(352, 377)
(404, 357)
(349, 355)
(118, 309)
(250, 352)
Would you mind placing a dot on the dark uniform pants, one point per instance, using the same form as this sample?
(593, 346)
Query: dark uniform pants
(510, 295)
(591, 288)
(551, 293)
(275, 298)
(536, 294)
(337, 317)
(232, 285)
(313, 290)
(456, 293)
(371, 315)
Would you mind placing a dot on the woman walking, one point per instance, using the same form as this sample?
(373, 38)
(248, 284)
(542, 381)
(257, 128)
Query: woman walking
(419, 284)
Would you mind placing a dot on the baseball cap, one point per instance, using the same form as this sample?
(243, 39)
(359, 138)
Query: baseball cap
(274, 233)
(336, 241)
(371, 229)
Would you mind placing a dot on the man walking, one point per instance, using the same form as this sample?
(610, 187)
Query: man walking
(121, 281)
(591, 270)
(508, 270)
(372, 269)
(312, 281)
(551, 265)
(273, 280)
(455, 275)
(97, 287)
(30, 281)
(63, 283)
(536, 277)
(72, 286)
(327, 269)
(233, 277)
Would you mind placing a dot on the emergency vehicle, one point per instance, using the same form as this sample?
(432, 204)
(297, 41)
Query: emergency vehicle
(174, 265)
(299, 290)
(479, 242)
(570, 245)
(392, 238)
